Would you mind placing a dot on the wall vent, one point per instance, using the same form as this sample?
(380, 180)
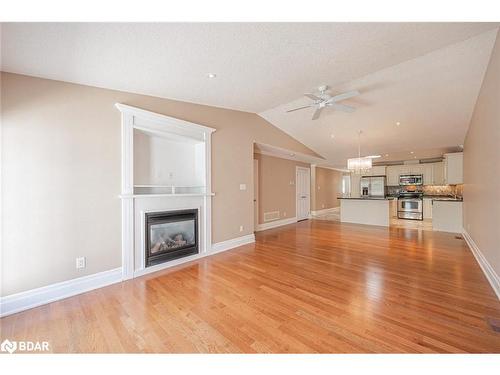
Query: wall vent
(270, 216)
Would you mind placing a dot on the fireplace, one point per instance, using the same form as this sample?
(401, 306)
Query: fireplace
(170, 235)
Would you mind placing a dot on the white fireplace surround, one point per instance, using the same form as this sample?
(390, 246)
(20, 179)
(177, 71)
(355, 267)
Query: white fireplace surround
(136, 205)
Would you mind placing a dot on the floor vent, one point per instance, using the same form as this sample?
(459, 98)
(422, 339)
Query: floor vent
(270, 216)
(494, 324)
(458, 237)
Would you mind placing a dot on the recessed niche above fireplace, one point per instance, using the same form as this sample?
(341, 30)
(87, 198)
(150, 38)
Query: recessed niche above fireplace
(170, 235)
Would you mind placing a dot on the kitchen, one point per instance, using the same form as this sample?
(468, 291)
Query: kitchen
(422, 194)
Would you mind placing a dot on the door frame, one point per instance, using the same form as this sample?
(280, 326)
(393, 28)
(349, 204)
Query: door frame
(297, 168)
(256, 197)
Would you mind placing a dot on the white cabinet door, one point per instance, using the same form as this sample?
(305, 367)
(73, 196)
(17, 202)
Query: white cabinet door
(355, 188)
(392, 175)
(428, 177)
(438, 173)
(377, 171)
(427, 208)
(453, 164)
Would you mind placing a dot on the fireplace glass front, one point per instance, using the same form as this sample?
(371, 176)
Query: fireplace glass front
(171, 235)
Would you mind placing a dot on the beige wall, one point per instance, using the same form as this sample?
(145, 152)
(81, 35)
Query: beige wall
(482, 167)
(277, 186)
(61, 175)
(327, 186)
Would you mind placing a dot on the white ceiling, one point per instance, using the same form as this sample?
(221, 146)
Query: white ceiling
(432, 96)
(261, 66)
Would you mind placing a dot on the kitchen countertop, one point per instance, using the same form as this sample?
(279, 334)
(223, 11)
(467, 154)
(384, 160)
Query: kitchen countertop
(369, 198)
(449, 199)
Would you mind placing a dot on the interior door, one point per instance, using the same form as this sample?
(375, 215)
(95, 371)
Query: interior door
(255, 194)
(303, 188)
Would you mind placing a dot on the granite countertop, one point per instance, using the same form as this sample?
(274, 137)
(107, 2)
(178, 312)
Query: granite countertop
(369, 198)
(447, 199)
(444, 198)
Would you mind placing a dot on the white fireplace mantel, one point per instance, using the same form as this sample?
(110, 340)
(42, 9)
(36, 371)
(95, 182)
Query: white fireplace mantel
(133, 204)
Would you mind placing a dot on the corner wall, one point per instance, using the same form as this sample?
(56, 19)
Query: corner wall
(481, 215)
(277, 186)
(326, 187)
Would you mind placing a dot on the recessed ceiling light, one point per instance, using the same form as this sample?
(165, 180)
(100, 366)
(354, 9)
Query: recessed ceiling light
(414, 157)
(386, 154)
(332, 136)
(374, 156)
(398, 123)
(411, 152)
(211, 75)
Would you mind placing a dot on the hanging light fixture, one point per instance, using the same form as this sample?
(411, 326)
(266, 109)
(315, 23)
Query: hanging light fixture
(359, 165)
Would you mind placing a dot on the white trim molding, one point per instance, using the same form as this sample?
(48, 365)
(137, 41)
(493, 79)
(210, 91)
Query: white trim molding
(325, 211)
(488, 271)
(159, 125)
(232, 243)
(54, 292)
(275, 224)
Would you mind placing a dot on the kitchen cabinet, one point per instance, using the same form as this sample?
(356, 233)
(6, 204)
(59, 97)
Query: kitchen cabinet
(453, 168)
(438, 173)
(392, 173)
(355, 188)
(393, 208)
(378, 170)
(427, 208)
(447, 216)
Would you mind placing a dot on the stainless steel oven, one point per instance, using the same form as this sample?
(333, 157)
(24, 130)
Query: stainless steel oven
(410, 179)
(410, 207)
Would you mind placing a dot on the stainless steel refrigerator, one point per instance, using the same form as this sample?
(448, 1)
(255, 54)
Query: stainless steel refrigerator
(373, 187)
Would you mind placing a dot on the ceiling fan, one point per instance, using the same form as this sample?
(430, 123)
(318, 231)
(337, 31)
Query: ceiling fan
(323, 99)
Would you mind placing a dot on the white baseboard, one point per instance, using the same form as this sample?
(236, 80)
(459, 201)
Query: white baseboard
(275, 224)
(488, 271)
(325, 211)
(54, 292)
(232, 243)
(40, 296)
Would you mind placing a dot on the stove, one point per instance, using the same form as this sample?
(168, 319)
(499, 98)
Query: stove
(410, 205)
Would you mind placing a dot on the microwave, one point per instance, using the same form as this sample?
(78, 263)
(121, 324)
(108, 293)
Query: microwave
(411, 179)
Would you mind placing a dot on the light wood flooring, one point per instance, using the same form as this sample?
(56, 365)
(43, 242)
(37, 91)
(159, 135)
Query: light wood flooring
(315, 286)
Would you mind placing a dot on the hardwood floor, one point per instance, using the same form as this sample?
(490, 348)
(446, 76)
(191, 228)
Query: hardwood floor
(316, 286)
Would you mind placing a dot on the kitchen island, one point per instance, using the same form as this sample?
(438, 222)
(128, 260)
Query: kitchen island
(369, 211)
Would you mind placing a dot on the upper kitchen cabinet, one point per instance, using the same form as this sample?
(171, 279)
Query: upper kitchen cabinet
(377, 171)
(438, 173)
(453, 168)
(392, 175)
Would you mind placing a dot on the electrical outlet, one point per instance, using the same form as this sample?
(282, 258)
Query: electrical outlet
(319, 187)
(284, 214)
(243, 186)
(80, 262)
(322, 206)
(241, 228)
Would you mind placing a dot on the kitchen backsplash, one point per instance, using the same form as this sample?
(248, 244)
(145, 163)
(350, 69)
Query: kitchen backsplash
(432, 190)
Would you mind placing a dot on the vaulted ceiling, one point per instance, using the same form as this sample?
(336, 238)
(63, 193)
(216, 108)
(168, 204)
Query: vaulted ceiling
(424, 75)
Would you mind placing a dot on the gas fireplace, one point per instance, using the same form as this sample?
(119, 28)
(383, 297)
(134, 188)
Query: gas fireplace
(171, 235)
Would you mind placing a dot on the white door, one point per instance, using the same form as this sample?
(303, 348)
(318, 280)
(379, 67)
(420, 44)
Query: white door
(255, 194)
(303, 188)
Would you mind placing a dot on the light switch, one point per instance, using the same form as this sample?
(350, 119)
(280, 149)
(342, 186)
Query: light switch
(243, 186)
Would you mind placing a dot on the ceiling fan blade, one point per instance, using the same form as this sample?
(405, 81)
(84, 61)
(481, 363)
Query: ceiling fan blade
(342, 107)
(312, 96)
(317, 113)
(344, 96)
(296, 109)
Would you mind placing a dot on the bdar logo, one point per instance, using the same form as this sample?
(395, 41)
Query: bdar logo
(8, 346)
